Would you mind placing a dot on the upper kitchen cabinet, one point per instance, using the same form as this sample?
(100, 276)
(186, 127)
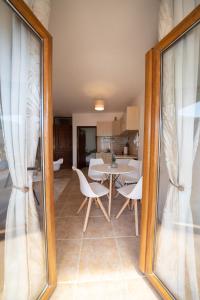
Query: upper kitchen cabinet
(130, 119)
(116, 127)
(104, 129)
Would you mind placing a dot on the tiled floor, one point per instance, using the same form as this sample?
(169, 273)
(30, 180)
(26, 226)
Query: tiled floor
(102, 263)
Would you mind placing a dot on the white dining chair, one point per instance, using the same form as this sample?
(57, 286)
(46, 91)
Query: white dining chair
(118, 181)
(132, 177)
(57, 164)
(96, 176)
(91, 191)
(123, 161)
(132, 193)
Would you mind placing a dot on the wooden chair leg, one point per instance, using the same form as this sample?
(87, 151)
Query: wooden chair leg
(132, 204)
(136, 217)
(116, 195)
(123, 208)
(129, 205)
(82, 205)
(87, 214)
(96, 203)
(103, 209)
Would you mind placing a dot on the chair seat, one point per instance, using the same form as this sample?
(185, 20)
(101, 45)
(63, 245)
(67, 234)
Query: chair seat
(129, 178)
(97, 177)
(99, 189)
(126, 190)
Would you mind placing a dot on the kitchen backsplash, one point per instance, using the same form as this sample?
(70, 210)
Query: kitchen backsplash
(117, 144)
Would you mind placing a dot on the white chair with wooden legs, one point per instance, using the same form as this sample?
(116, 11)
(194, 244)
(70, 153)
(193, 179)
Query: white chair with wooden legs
(91, 191)
(96, 176)
(133, 177)
(132, 193)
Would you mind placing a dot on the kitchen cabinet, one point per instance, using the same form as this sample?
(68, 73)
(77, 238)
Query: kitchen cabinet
(130, 119)
(107, 157)
(116, 127)
(104, 128)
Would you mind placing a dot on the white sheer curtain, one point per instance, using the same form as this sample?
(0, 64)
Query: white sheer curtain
(176, 261)
(24, 264)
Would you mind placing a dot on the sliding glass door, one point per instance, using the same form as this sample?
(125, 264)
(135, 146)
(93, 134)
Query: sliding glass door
(26, 211)
(172, 205)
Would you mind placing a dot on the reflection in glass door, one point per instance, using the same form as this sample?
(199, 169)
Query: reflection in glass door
(177, 260)
(171, 198)
(24, 272)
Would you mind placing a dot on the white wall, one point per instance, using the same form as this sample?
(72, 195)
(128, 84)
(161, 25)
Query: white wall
(101, 52)
(88, 119)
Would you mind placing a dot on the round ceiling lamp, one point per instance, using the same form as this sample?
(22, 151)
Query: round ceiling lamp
(99, 105)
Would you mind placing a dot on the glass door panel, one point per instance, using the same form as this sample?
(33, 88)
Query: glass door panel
(24, 269)
(177, 233)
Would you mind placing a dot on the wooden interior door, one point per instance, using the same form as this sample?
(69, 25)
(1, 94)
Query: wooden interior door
(63, 141)
(81, 143)
(179, 276)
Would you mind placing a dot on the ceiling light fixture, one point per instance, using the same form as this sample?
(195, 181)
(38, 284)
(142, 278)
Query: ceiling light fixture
(99, 105)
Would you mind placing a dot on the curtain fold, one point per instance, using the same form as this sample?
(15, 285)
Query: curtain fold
(175, 243)
(24, 270)
(25, 273)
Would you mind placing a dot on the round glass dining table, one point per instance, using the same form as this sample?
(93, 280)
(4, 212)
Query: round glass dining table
(112, 171)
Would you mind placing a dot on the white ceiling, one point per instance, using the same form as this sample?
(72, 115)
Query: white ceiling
(99, 50)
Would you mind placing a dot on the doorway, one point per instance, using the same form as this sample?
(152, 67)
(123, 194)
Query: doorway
(86, 145)
(62, 135)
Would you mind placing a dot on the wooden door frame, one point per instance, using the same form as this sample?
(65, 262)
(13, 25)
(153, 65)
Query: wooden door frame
(78, 128)
(26, 14)
(151, 148)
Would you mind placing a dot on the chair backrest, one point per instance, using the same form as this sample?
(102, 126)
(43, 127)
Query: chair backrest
(59, 161)
(84, 185)
(93, 162)
(137, 164)
(122, 161)
(136, 192)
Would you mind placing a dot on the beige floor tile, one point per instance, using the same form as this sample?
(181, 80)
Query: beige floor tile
(98, 227)
(60, 228)
(104, 267)
(124, 225)
(99, 260)
(63, 173)
(68, 252)
(75, 187)
(110, 290)
(60, 204)
(69, 228)
(59, 208)
(117, 205)
(70, 209)
(129, 254)
(75, 196)
(96, 211)
(140, 289)
(62, 199)
(64, 292)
